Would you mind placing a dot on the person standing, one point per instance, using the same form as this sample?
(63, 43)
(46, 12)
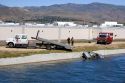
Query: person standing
(68, 40)
(72, 41)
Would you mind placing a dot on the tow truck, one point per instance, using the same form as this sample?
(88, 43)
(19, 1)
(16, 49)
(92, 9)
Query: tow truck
(21, 40)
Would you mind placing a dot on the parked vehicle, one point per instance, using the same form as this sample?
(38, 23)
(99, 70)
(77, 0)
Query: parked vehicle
(20, 40)
(105, 38)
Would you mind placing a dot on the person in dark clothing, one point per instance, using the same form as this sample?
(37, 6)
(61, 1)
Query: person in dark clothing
(68, 40)
(72, 41)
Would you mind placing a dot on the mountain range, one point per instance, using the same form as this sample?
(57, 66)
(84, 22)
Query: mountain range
(93, 12)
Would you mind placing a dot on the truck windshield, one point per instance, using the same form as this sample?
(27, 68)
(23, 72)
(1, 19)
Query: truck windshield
(102, 36)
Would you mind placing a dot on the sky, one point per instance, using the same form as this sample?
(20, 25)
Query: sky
(22, 3)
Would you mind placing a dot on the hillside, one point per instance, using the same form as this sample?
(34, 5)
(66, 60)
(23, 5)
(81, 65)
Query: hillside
(94, 12)
(13, 13)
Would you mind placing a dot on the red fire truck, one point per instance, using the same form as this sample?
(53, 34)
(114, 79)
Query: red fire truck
(105, 38)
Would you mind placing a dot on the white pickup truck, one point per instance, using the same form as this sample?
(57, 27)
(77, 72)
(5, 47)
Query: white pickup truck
(20, 40)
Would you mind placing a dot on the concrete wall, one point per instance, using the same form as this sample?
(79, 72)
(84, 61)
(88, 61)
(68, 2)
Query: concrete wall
(118, 33)
(6, 32)
(52, 33)
(56, 32)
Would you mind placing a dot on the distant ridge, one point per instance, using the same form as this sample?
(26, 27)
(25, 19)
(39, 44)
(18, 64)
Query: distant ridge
(2, 6)
(94, 12)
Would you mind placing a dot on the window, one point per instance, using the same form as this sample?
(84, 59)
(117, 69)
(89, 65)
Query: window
(24, 37)
(17, 37)
(103, 36)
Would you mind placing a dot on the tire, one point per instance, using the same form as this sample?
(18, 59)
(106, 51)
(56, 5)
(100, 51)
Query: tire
(10, 45)
(106, 43)
(97, 42)
(48, 47)
(25, 46)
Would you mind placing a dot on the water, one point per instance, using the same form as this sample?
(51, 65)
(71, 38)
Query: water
(109, 70)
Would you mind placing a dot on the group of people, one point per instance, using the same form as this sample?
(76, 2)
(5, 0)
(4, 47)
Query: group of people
(70, 41)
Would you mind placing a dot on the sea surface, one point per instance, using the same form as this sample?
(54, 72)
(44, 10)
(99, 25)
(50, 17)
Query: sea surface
(108, 70)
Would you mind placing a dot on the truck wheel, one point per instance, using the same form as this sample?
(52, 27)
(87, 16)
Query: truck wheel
(11, 45)
(48, 47)
(97, 42)
(25, 46)
(105, 43)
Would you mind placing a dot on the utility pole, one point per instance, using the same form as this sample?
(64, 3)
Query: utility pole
(23, 28)
(59, 34)
(90, 35)
(23, 25)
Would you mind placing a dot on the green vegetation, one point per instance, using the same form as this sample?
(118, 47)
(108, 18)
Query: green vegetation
(6, 54)
(103, 47)
(50, 19)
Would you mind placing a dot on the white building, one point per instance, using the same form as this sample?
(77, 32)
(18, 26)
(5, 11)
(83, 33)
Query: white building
(111, 24)
(64, 24)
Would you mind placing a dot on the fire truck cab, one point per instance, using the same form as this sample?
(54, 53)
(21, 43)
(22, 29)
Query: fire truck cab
(105, 38)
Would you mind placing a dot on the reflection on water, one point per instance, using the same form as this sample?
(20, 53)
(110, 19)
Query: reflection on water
(109, 70)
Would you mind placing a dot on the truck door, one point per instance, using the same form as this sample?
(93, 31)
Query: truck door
(24, 39)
